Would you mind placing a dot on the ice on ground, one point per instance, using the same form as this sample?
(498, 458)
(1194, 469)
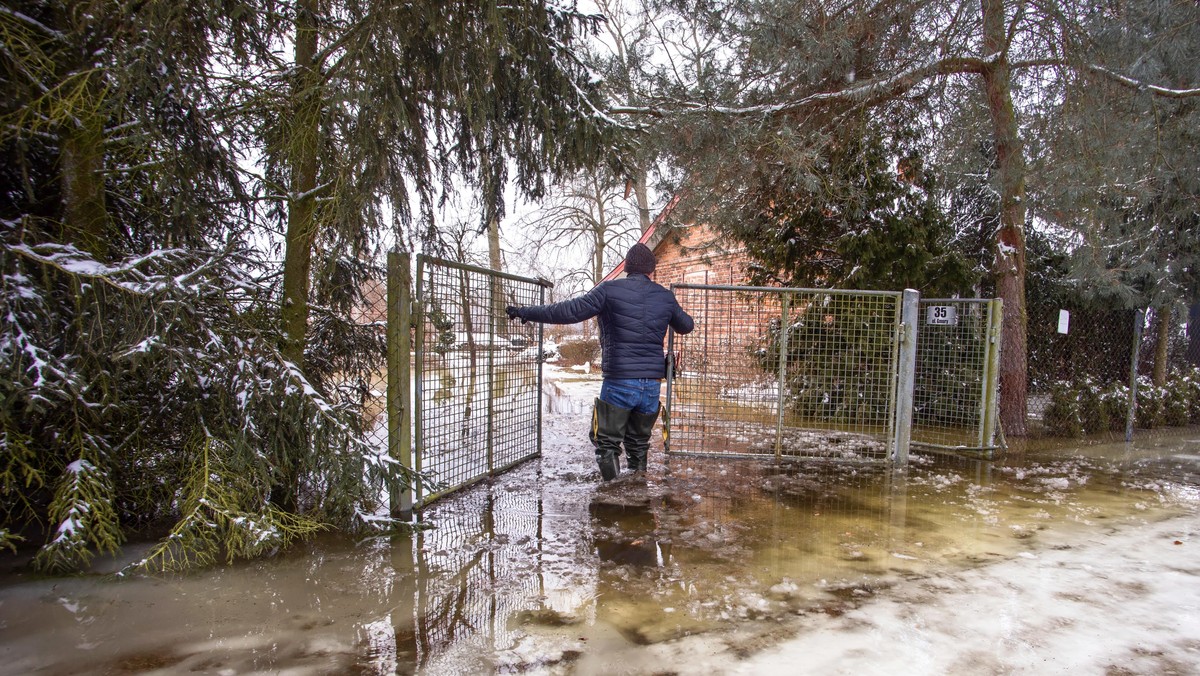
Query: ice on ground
(1078, 561)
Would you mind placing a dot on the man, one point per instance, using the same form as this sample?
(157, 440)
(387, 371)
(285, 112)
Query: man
(634, 315)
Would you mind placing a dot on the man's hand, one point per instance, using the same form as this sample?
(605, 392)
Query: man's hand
(515, 313)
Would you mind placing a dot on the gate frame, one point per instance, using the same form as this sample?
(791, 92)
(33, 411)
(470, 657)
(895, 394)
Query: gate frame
(989, 379)
(900, 392)
(405, 404)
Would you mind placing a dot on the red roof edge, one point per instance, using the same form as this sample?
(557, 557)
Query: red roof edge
(659, 221)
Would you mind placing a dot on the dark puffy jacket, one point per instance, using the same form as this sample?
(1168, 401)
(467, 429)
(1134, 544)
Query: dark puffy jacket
(634, 314)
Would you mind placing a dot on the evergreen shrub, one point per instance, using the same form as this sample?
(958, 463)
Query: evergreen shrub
(1191, 381)
(1086, 407)
(1115, 401)
(1094, 414)
(1151, 405)
(1062, 414)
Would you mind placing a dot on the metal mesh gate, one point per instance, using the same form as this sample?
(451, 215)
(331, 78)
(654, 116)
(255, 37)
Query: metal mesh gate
(477, 403)
(954, 397)
(785, 372)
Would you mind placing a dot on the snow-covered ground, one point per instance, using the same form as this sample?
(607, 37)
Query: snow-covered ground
(1109, 602)
(1084, 597)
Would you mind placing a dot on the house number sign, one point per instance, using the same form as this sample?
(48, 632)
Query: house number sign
(942, 315)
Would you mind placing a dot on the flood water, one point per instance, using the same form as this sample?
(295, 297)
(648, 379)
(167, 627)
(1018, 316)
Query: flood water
(543, 571)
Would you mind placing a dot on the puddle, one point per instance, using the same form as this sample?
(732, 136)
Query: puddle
(542, 571)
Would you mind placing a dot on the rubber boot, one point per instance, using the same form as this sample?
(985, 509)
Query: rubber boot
(608, 429)
(637, 438)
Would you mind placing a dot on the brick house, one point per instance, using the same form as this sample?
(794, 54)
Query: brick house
(690, 254)
(729, 326)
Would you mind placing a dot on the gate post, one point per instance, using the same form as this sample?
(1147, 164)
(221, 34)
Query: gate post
(784, 330)
(991, 375)
(666, 412)
(907, 377)
(541, 338)
(399, 374)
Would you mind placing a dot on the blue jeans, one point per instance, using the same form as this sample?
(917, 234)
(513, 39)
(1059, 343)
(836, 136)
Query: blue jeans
(639, 395)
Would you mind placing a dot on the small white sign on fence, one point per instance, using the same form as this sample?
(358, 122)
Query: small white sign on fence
(1064, 321)
(942, 315)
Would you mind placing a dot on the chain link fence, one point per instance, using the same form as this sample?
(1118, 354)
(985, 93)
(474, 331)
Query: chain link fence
(1110, 372)
(785, 372)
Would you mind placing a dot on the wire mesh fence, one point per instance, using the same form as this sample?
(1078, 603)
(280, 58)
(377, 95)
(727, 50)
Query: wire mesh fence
(785, 372)
(477, 376)
(955, 391)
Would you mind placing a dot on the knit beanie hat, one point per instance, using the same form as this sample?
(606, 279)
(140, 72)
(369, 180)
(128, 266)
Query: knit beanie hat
(639, 259)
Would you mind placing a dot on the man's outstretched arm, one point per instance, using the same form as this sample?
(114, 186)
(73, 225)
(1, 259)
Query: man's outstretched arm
(570, 311)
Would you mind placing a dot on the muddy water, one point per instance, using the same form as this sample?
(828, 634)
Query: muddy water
(542, 571)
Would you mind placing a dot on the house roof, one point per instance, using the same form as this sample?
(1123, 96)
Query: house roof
(651, 238)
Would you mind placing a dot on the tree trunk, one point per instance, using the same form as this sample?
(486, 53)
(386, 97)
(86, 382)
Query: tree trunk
(303, 141)
(643, 201)
(85, 220)
(1193, 335)
(85, 213)
(499, 298)
(598, 259)
(468, 324)
(304, 145)
(1162, 344)
(1009, 264)
(601, 229)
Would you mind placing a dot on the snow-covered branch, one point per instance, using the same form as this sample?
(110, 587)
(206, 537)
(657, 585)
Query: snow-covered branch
(1134, 83)
(874, 91)
(30, 21)
(1108, 74)
(869, 92)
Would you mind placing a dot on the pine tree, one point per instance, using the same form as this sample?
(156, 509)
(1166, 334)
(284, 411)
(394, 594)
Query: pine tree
(866, 217)
(388, 103)
(778, 77)
(149, 380)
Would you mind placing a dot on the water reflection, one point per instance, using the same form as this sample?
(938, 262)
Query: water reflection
(538, 568)
(677, 554)
(628, 536)
(475, 569)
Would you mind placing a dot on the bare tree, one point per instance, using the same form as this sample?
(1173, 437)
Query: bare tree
(589, 217)
(630, 39)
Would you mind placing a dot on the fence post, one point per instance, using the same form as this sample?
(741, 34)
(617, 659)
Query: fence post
(666, 414)
(418, 387)
(991, 375)
(491, 377)
(399, 370)
(1139, 320)
(784, 330)
(541, 337)
(907, 377)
